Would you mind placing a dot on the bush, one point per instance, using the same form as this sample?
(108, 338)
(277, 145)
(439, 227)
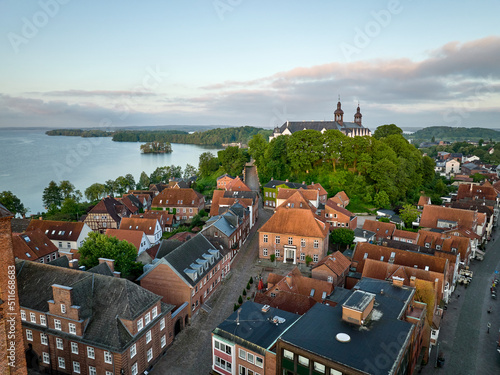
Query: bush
(272, 257)
(251, 280)
(308, 259)
(244, 292)
(240, 299)
(236, 307)
(248, 286)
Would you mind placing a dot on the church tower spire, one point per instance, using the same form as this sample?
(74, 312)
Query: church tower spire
(339, 113)
(358, 116)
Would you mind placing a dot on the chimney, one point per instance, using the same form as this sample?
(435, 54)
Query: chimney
(73, 263)
(40, 218)
(303, 182)
(109, 262)
(412, 281)
(286, 180)
(397, 281)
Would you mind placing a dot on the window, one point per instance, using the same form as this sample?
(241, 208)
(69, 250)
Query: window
(154, 312)
(315, 257)
(45, 357)
(72, 328)
(61, 362)
(74, 348)
(147, 319)
(316, 244)
(163, 341)
(319, 367)
(68, 244)
(277, 253)
(290, 240)
(43, 339)
(90, 352)
(76, 367)
(264, 252)
(139, 324)
(265, 239)
(242, 354)
(278, 239)
(60, 244)
(259, 361)
(219, 362)
(302, 242)
(302, 256)
(57, 324)
(29, 334)
(23, 315)
(148, 336)
(59, 343)
(162, 324)
(32, 317)
(134, 369)
(223, 347)
(150, 354)
(330, 279)
(107, 357)
(250, 357)
(92, 370)
(43, 321)
(133, 351)
(287, 354)
(335, 372)
(303, 361)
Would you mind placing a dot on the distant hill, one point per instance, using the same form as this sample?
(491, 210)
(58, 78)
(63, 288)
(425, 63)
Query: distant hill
(448, 133)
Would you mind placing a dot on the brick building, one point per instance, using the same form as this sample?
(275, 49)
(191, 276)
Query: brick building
(184, 203)
(338, 217)
(65, 235)
(188, 274)
(223, 199)
(245, 343)
(108, 213)
(332, 268)
(382, 230)
(89, 323)
(35, 246)
(12, 344)
(150, 227)
(292, 235)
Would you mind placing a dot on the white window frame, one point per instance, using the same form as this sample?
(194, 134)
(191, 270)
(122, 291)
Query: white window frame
(108, 358)
(264, 252)
(316, 244)
(250, 358)
(277, 240)
(72, 328)
(259, 362)
(288, 354)
(315, 258)
(133, 351)
(133, 369)
(150, 354)
(29, 335)
(140, 325)
(32, 317)
(59, 343)
(92, 370)
(154, 312)
(90, 352)
(61, 363)
(63, 308)
(147, 319)
(242, 354)
(23, 315)
(162, 324)
(43, 321)
(45, 357)
(302, 242)
(57, 324)
(319, 367)
(44, 339)
(163, 341)
(74, 348)
(303, 361)
(76, 367)
(149, 337)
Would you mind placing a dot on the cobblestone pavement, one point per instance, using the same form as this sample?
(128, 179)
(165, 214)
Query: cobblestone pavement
(467, 347)
(191, 351)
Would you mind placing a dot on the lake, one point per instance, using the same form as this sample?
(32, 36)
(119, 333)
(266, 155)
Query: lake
(29, 160)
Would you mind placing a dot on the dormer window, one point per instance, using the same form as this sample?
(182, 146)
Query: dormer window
(140, 324)
(427, 245)
(147, 319)
(63, 308)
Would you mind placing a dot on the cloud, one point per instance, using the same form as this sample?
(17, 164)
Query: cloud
(457, 79)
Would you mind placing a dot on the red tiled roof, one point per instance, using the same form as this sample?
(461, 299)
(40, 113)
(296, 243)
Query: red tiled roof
(480, 191)
(182, 236)
(132, 236)
(423, 200)
(343, 196)
(319, 188)
(237, 185)
(380, 228)
(337, 262)
(153, 250)
(178, 198)
(335, 207)
(145, 225)
(464, 218)
(128, 203)
(287, 301)
(405, 234)
(32, 245)
(285, 193)
(297, 200)
(57, 230)
(295, 221)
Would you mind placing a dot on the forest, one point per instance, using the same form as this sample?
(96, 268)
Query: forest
(447, 133)
(383, 170)
(156, 148)
(80, 133)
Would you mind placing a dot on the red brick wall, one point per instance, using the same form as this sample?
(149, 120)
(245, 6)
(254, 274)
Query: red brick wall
(11, 337)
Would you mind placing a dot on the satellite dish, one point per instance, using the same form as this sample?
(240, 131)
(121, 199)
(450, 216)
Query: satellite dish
(343, 337)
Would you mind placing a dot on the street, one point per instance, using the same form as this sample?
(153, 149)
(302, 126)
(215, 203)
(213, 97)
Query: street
(467, 346)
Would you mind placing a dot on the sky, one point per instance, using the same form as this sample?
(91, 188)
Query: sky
(110, 64)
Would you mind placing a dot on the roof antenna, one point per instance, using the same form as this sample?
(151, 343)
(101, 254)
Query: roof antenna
(238, 317)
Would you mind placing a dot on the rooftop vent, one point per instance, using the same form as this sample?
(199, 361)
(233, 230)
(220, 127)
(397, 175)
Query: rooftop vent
(343, 337)
(265, 308)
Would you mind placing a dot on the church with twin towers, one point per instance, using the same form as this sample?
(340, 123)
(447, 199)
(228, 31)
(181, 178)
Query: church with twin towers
(350, 129)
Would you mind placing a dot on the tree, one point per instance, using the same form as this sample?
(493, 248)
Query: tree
(12, 203)
(232, 160)
(110, 187)
(68, 190)
(240, 299)
(208, 164)
(95, 192)
(386, 130)
(305, 149)
(308, 260)
(256, 148)
(381, 199)
(408, 214)
(190, 171)
(342, 236)
(163, 174)
(144, 181)
(130, 181)
(121, 184)
(478, 177)
(52, 196)
(333, 140)
(99, 245)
